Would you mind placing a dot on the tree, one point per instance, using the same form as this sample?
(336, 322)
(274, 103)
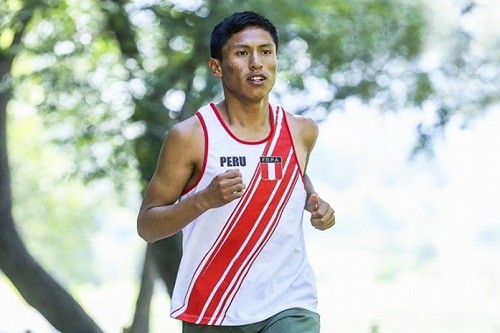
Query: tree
(111, 77)
(37, 287)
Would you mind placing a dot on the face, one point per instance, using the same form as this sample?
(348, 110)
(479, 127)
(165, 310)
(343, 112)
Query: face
(248, 66)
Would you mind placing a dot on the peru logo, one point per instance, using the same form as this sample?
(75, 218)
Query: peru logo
(271, 167)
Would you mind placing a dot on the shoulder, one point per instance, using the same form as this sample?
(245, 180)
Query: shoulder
(303, 128)
(301, 122)
(184, 142)
(186, 130)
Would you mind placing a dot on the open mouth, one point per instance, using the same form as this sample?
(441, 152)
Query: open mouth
(257, 78)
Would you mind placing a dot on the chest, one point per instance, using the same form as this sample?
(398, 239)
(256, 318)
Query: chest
(267, 159)
(225, 154)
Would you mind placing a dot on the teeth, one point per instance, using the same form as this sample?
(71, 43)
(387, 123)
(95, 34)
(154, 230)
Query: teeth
(257, 78)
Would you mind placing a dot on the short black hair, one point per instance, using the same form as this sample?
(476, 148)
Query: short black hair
(234, 24)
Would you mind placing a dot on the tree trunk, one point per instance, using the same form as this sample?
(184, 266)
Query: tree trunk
(143, 304)
(34, 284)
(163, 256)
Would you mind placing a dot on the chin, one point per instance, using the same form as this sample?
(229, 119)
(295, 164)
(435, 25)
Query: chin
(258, 98)
(260, 95)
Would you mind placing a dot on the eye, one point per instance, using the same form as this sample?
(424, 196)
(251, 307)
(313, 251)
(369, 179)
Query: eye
(241, 53)
(267, 52)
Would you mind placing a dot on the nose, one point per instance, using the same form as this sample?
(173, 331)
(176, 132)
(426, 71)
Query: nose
(255, 61)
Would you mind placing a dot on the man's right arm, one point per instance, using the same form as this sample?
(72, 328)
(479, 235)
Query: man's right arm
(161, 214)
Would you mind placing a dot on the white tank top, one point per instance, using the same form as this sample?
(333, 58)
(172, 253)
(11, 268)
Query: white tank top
(246, 261)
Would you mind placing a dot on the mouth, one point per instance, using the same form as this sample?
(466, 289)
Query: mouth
(257, 78)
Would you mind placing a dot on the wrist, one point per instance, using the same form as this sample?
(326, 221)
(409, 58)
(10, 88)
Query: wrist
(202, 203)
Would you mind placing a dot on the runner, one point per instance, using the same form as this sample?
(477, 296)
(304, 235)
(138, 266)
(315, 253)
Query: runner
(233, 179)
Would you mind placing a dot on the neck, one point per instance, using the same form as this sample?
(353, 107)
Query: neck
(249, 122)
(246, 115)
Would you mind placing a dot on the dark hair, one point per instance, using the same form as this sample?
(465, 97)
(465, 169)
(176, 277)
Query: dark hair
(234, 24)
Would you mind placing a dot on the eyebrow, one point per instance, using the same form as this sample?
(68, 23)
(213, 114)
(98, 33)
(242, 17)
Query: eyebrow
(246, 45)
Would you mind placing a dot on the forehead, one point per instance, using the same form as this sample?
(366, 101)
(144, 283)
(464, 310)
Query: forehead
(250, 36)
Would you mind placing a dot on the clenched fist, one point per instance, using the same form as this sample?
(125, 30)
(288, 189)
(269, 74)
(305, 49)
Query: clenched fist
(224, 188)
(322, 215)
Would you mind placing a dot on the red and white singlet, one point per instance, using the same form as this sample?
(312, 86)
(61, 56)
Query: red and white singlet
(246, 261)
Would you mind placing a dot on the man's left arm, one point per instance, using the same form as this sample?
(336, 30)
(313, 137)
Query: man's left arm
(305, 132)
(322, 214)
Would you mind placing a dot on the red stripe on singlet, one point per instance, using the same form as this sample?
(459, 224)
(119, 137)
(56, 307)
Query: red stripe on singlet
(229, 296)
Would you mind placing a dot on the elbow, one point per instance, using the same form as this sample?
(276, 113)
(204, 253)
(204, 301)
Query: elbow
(144, 235)
(143, 231)
(147, 230)
(147, 236)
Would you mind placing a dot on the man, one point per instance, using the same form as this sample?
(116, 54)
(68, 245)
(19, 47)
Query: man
(233, 179)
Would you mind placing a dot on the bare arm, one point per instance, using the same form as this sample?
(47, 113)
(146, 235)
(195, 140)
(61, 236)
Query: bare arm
(161, 214)
(322, 214)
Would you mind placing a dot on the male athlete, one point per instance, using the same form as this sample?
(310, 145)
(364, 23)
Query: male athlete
(233, 179)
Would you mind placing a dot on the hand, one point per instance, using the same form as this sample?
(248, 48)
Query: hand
(322, 215)
(224, 188)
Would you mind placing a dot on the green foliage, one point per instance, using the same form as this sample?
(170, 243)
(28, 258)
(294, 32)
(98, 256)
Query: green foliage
(54, 209)
(104, 77)
(80, 87)
(111, 79)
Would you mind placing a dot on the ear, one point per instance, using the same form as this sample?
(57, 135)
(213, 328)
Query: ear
(215, 67)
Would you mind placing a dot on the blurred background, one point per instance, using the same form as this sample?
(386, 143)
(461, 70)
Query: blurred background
(407, 96)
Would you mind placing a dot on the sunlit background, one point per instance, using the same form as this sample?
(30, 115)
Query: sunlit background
(416, 247)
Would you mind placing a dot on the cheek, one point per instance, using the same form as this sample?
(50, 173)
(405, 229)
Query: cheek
(229, 68)
(273, 66)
